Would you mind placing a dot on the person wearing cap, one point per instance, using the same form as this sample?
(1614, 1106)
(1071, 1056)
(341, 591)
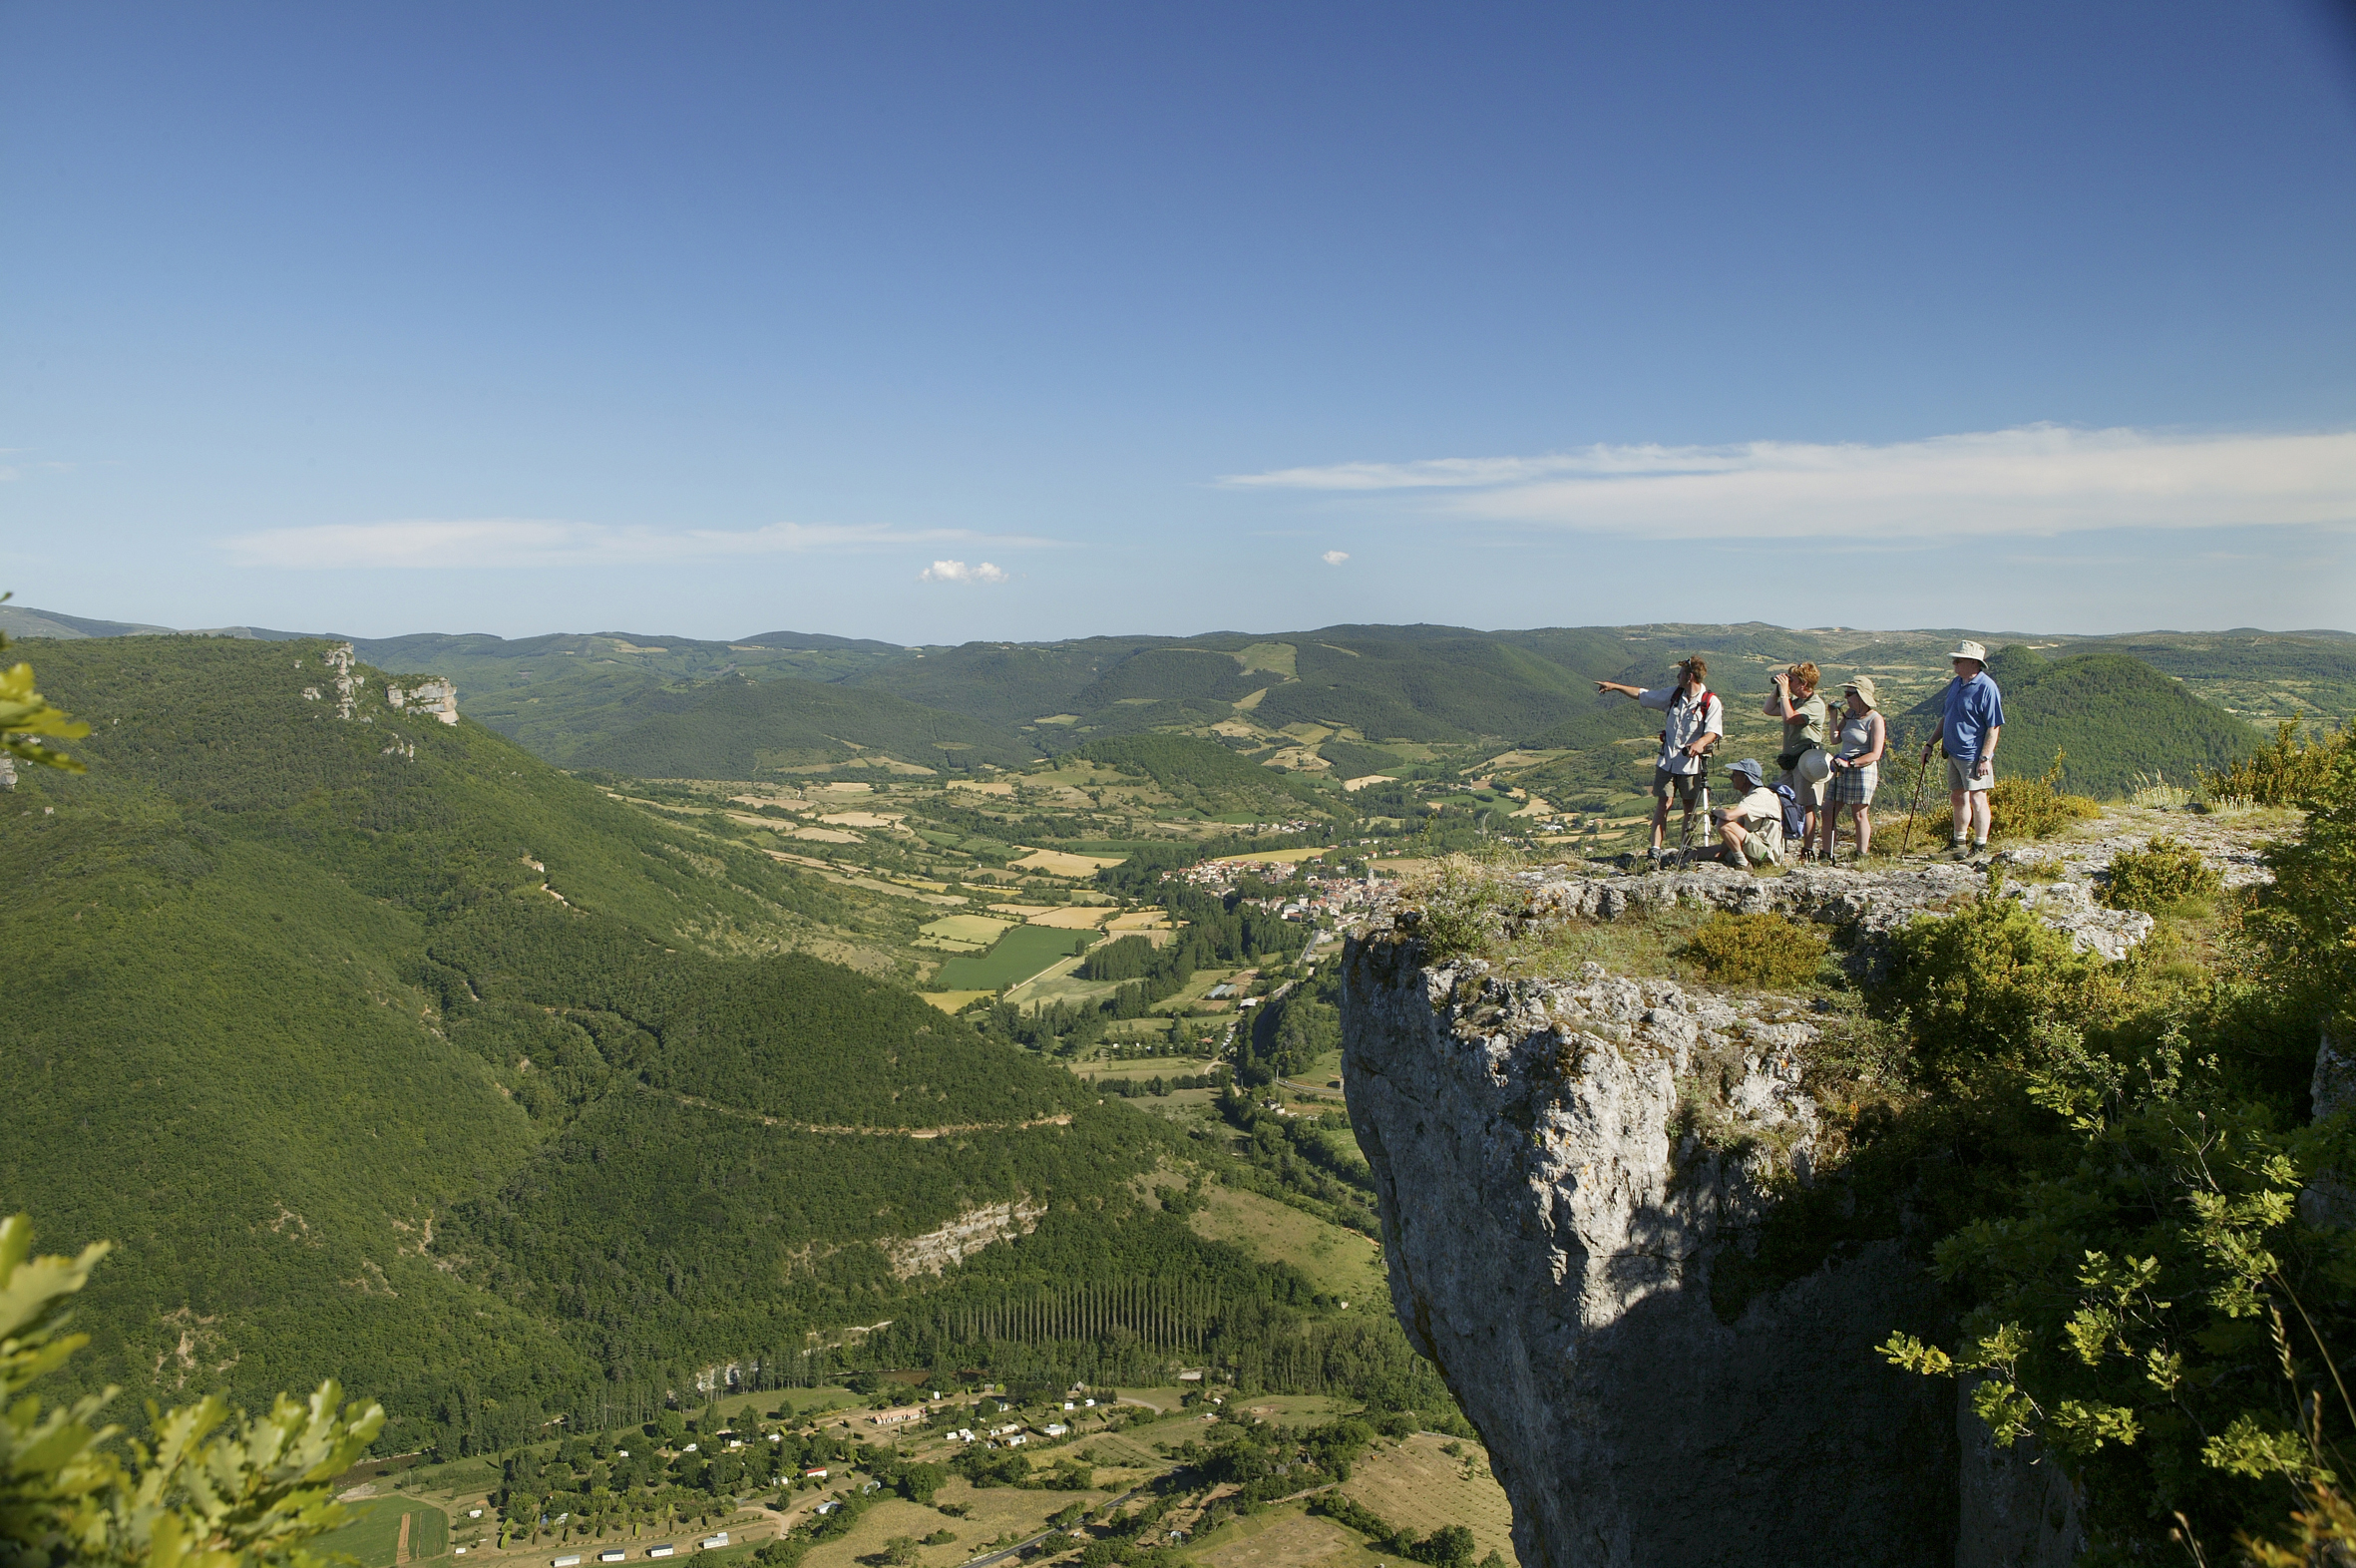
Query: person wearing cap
(1696, 723)
(1750, 831)
(1855, 767)
(1970, 722)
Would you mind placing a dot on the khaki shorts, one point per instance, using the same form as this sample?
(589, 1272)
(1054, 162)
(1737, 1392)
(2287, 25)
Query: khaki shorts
(1959, 776)
(1688, 786)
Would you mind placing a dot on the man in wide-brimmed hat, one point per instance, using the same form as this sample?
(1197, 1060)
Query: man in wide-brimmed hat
(1971, 720)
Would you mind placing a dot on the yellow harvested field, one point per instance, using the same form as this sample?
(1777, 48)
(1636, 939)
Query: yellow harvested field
(1063, 863)
(1019, 911)
(1290, 1538)
(1069, 917)
(1352, 786)
(1291, 857)
(1138, 919)
(860, 819)
(1419, 1487)
(982, 786)
(824, 835)
(967, 928)
(953, 1000)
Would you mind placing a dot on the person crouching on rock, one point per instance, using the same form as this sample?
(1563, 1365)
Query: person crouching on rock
(1855, 767)
(1750, 831)
(1805, 762)
(1970, 721)
(1696, 723)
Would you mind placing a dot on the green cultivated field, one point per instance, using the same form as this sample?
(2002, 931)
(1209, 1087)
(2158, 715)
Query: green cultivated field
(1020, 953)
(373, 1534)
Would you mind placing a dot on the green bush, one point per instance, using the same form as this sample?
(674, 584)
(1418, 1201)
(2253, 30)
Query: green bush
(2036, 808)
(2291, 770)
(1770, 952)
(2162, 875)
(1983, 985)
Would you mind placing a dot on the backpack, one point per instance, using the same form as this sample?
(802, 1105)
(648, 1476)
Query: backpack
(1795, 816)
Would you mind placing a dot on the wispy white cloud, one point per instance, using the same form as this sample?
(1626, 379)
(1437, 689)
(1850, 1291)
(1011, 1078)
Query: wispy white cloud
(1334, 557)
(524, 541)
(959, 571)
(2039, 479)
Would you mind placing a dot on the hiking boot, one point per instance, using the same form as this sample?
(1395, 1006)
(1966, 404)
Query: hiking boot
(1958, 850)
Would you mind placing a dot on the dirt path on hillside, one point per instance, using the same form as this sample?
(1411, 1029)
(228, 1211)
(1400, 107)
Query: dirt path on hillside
(401, 1546)
(1063, 1119)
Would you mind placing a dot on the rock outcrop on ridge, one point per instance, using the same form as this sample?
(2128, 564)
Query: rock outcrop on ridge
(1574, 1172)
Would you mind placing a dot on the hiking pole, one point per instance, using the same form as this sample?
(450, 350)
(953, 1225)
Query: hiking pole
(1920, 774)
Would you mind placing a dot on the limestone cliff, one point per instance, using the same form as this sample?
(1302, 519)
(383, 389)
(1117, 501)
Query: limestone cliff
(1554, 1220)
(1573, 1172)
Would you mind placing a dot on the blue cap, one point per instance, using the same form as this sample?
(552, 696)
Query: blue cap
(1749, 765)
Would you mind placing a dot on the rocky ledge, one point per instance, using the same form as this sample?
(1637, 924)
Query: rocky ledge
(1869, 902)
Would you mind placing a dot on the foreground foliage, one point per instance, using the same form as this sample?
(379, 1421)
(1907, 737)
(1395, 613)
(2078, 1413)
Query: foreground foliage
(2156, 1285)
(205, 1489)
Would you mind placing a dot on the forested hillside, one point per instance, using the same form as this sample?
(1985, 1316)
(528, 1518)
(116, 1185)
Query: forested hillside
(2114, 720)
(386, 1051)
(739, 728)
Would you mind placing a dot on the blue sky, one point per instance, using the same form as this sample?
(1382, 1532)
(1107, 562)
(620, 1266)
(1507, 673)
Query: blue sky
(935, 322)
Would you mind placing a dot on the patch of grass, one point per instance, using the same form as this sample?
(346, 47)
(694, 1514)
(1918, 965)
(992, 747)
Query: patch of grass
(1020, 953)
(1647, 945)
(1340, 1262)
(373, 1534)
(1766, 951)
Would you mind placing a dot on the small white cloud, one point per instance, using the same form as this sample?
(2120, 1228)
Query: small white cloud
(526, 541)
(1334, 557)
(959, 571)
(2037, 478)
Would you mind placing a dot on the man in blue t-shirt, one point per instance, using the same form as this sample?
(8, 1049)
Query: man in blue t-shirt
(1971, 720)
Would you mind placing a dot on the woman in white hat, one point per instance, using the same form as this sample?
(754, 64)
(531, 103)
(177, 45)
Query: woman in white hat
(1855, 766)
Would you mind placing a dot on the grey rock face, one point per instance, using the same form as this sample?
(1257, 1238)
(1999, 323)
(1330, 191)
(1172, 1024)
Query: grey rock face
(1559, 1200)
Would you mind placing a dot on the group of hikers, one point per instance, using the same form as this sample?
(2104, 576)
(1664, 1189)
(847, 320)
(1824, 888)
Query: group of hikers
(1829, 764)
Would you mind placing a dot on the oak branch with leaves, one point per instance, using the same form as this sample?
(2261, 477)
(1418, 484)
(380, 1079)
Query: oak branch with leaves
(209, 1488)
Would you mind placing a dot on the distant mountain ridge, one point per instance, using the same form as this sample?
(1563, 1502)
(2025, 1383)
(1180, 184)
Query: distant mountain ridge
(1351, 699)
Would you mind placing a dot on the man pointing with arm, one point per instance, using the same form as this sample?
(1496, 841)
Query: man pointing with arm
(1696, 723)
